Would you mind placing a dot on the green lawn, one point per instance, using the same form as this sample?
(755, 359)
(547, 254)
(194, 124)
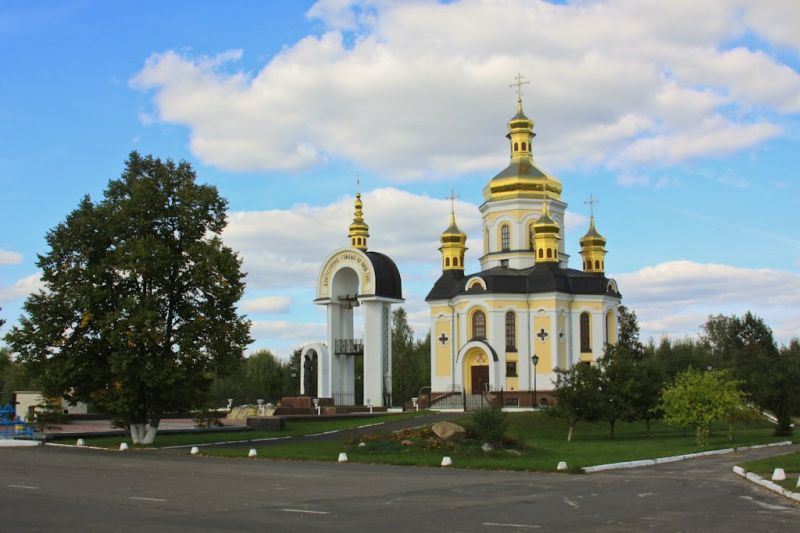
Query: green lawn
(545, 445)
(293, 428)
(789, 462)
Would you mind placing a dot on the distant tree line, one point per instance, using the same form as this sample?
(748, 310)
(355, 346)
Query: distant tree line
(735, 363)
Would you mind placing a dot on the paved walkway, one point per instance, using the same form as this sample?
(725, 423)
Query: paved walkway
(67, 489)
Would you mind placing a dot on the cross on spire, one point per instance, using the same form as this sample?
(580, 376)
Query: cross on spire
(452, 200)
(590, 202)
(358, 183)
(518, 84)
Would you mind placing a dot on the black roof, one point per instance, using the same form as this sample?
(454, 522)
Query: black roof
(387, 277)
(543, 277)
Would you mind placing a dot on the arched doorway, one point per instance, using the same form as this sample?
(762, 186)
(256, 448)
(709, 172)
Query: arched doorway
(310, 362)
(476, 371)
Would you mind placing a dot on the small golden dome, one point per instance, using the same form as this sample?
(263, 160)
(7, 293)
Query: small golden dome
(359, 230)
(592, 237)
(545, 224)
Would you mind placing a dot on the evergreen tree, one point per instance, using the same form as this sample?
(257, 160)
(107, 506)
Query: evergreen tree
(139, 307)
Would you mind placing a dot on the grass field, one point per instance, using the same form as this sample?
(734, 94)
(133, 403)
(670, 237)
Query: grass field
(545, 445)
(293, 428)
(789, 462)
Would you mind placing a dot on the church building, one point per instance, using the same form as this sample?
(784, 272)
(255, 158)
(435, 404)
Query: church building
(526, 313)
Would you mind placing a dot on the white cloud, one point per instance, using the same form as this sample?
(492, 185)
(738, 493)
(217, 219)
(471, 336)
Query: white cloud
(22, 288)
(418, 90)
(676, 297)
(284, 330)
(267, 304)
(403, 225)
(10, 258)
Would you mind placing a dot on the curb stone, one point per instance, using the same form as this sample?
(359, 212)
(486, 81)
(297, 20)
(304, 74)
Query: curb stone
(674, 458)
(767, 484)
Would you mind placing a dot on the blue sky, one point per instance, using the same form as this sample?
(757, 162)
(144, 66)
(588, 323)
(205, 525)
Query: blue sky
(682, 119)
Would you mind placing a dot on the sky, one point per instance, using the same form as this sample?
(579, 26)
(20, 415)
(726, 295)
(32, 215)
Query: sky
(681, 117)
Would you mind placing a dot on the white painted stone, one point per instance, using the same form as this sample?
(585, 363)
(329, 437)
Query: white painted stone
(362, 444)
(123, 446)
(252, 453)
(342, 457)
(195, 450)
(778, 475)
(798, 482)
(739, 470)
(80, 442)
(562, 465)
(447, 461)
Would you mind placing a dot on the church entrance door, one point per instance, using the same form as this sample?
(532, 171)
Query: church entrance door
(480, 378)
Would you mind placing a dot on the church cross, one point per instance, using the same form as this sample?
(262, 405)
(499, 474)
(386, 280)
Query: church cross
(590, 202)
(443, 339)
(542, 335)
(453, 200)
(358, 183)
(519, 83)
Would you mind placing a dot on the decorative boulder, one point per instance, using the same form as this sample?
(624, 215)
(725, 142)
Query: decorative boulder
(487, 447)
(447, 431)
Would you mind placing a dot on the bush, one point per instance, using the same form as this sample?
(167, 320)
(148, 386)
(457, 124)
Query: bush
(489, 425)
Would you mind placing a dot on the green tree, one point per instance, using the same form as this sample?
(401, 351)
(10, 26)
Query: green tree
(630, 380)
(13, 377)
(293, 373)
(139, 307)
(699, 399)
(628, 332)
(769, 376)
(578, 395)
(265, 377)
(404, 369)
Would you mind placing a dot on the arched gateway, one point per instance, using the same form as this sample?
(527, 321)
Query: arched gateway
(349, 278)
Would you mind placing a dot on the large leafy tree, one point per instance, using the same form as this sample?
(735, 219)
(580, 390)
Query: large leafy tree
(578, 395)
(770, 376)
(699, 399)
(139, 305)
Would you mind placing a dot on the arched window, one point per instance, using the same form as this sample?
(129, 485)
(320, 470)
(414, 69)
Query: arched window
(447, 261)
(516, 147)
(511, 332)
(455, 261)
(524, 147)
(596, 264)
(549, 253)
(586, 344)
(541, 253)
(505, 238)
(478, 325)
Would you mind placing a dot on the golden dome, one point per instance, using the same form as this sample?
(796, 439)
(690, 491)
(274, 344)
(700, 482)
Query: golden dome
(359, 230)
(522, 178)
(592, 237)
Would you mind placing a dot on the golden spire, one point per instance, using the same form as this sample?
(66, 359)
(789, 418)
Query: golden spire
(593, 244)
(359, 230)
(453, 242)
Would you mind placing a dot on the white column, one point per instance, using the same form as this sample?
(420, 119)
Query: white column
(373, 352)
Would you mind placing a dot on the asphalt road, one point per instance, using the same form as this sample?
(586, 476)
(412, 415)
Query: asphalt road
(68, 489)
